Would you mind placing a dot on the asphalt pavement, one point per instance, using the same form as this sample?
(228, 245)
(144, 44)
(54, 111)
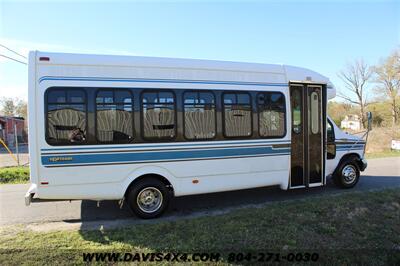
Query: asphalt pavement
(381, 173)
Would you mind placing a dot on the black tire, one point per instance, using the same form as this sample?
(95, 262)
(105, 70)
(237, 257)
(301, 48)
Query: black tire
(347, 175)
(148, 190)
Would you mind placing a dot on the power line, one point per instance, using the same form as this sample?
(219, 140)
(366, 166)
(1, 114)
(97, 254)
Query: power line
(12, 51)
(13, 59)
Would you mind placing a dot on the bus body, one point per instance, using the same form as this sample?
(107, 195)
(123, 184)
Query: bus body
(105, 127)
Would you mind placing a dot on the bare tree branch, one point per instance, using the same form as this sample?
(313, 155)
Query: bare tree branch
(388, 80)
(347, 99)
(355, 77)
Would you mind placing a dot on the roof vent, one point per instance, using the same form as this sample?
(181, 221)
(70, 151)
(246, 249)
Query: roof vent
(308, 78)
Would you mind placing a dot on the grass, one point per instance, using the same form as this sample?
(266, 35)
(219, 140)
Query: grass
(347, 228)
(380, 139)
(383, 154)
(14, 175)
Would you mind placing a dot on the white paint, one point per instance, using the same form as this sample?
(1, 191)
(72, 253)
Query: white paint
(351, 122)
(111, 181)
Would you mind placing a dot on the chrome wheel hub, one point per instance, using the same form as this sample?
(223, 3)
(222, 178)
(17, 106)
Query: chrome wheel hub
(149, 199)
(349, 174)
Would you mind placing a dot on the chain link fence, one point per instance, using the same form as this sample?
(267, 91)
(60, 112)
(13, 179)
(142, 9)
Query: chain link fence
(11, 157)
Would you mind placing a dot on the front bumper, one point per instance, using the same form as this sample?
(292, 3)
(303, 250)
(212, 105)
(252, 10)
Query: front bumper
(363, 164)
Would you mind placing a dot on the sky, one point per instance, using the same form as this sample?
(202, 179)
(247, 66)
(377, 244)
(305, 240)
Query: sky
(322, 36)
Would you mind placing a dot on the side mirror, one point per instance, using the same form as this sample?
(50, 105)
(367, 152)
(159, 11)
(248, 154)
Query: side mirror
(369, 117)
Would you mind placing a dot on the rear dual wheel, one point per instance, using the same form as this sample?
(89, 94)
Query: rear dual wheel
(148, 198)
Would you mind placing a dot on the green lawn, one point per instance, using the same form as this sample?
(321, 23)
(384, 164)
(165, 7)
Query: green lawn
(347, 228)
(388, 153)
(14, 175)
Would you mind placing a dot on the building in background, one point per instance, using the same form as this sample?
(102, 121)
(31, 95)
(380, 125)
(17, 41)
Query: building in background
(351, 122)
(8, 124)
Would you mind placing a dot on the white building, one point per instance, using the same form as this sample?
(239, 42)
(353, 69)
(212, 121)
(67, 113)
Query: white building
(351, 122)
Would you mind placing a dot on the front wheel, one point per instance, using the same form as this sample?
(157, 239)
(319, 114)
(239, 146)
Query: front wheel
(148, 198)
(347, 175)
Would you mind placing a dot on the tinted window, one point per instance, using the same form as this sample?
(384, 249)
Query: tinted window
(330, 132)
(76, 96)
(314, 112)
(158, 114)
(237, 115)
(330, 147)
(297, 102)
(271, 114)
(66, 116)
(114, 119)
(56, 96)
(199, 115)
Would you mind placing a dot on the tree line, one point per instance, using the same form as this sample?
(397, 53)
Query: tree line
(13, 107)
(357, 77)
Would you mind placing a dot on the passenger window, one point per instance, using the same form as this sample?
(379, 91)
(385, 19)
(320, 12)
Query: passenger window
(331, 146)
(314, 105)
(114, 119)
(158, 114)
(199, 115)
(330, 132)
(237, 115)
(271, 114)
(297, 105)
(66, 116)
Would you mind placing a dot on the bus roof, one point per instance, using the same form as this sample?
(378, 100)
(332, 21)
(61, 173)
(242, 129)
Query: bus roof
(291, 73)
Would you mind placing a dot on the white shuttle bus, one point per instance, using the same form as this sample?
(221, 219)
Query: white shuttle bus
(143, 130)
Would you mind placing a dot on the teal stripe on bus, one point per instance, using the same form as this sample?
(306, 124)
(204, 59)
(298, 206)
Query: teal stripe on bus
(50, 160)
(139, 80)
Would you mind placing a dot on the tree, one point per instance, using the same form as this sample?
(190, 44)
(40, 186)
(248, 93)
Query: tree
(22, 109)
(381, 113)
(355, 77)
(14, 107)
(388, 78)
(8, 107)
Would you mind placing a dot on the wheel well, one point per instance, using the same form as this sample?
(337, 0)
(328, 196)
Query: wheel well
(156, 176)
(350, 157)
